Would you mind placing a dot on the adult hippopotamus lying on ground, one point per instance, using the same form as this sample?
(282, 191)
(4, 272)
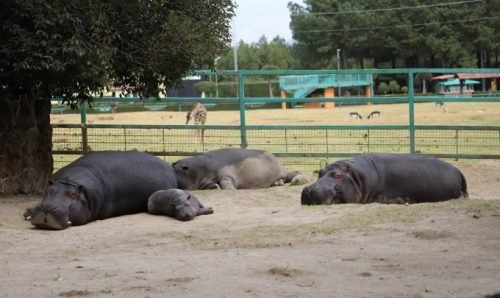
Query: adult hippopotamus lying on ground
(100, 185)
(386, 178)
(231, 168)
(176, 203)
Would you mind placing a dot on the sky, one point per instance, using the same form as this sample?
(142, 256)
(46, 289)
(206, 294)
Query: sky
(255, 18)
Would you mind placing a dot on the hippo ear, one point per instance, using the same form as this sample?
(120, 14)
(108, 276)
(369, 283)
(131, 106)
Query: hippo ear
(51, 182)
(348, 171)
(80, 188)
(321, 173)
(188, 198)
(353, 174)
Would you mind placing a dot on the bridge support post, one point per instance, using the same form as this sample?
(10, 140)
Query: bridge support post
(368, 93)
(283, 103)
(313, 105)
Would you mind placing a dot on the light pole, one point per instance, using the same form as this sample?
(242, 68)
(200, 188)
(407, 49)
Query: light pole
(338, 59)
(338, 75)
(235, 48)
(216, 86)
(235, 53)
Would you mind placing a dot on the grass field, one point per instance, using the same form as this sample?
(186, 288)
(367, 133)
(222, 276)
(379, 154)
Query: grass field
(474, 113)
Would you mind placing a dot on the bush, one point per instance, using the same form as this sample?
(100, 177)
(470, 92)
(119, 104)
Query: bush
(205, 86)
(383, 88)
(394, 87)
(252, 89)
(404, 89)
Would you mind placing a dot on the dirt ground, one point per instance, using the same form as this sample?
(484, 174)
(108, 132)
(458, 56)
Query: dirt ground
(263, 243)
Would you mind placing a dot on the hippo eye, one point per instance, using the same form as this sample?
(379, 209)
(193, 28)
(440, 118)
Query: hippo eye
(185, 168)
(73, 195)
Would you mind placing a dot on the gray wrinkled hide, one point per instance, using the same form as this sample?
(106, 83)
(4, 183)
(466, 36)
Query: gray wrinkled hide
(176, 203)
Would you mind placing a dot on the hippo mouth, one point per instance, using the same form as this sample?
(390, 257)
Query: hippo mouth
(312, 196)
(47, 218)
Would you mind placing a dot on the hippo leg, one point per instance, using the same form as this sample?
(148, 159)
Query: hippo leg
(28, 213)
(227, 182)
(213, 186)
(205, 211)
(299, 180)
(279, 182)
(202, 210)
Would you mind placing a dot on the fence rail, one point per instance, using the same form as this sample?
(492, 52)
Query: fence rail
(299, 147)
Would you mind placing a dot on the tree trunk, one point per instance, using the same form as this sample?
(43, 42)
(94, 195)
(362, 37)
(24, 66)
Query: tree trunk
(433, 61)
(25, 145)
(270, 88)
(481, 63)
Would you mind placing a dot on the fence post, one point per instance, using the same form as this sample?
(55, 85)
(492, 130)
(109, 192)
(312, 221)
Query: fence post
(411, 104)
(83, 125)
(83, 112)
(241, 98)
(85, 139)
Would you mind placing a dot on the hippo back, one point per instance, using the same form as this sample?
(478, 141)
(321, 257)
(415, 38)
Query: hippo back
(245, 168)
(386, 178)
(408, 176)
(117, 183)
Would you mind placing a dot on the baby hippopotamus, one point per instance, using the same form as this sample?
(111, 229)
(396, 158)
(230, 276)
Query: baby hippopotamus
(176, 203)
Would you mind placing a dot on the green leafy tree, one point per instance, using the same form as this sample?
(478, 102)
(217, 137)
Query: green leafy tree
(396, 33)
(205, 86)
(73, 49)
(383, 88)
(270, 78)
(255, 55)
(394, 87)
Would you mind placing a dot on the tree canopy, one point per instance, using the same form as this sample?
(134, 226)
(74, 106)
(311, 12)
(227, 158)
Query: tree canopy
(262, 54)
(73, 48)
(396, 33)
(76, 48)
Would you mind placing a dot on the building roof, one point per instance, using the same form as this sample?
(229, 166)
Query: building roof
(465, 76)
(456, 82)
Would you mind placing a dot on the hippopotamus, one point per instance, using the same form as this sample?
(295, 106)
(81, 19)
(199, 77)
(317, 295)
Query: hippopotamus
(100, 185)
(176, 203)
(231, 168)
(386, 178)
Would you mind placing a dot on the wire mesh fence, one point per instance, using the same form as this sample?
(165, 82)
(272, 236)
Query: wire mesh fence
(306, 148)
(298, 148)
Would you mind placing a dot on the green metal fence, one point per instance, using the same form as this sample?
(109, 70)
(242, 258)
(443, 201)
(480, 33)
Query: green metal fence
(299, 147)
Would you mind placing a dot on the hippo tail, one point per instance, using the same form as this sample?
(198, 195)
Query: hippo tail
(465, 194)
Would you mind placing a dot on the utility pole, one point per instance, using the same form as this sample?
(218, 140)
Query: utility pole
(338, 74)
(216, 79)
(338, 59)
(235, 48)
